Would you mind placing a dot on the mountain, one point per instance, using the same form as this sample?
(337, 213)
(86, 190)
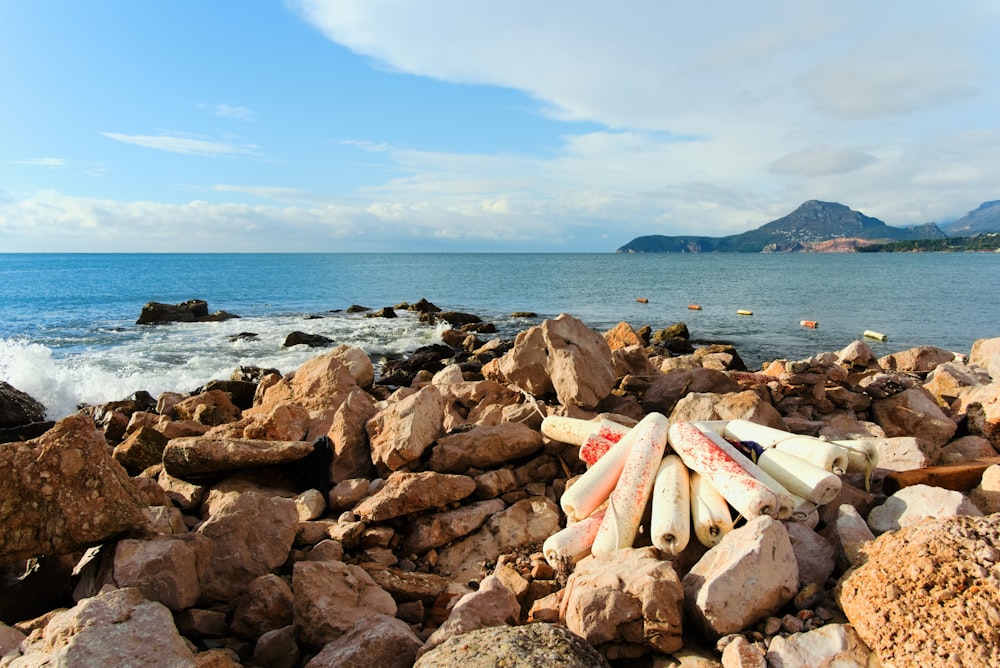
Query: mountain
(809, 228)
(982, 220)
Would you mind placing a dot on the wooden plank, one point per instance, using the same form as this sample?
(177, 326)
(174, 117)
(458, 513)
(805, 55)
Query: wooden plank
(960, 476)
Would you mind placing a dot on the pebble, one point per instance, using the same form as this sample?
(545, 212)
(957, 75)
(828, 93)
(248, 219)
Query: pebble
(792, 624)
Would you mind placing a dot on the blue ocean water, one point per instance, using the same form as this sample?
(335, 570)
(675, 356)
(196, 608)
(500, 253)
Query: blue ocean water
(68, 332)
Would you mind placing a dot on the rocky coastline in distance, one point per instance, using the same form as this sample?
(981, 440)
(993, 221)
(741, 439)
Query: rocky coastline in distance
(831, 227)
(340, 515)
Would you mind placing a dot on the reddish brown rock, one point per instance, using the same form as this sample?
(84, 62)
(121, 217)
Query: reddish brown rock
(330, 597)
(914, 412)
(621, 336)
(319, 384)
(484, 447)
(253, 535)
(629, 596)
(166, 569)
(266, 606)
(140, 450)
(402, 432)
(210, 408)
(62, 492)
(667, 390)
(928, 595)
(986, 354)
(352, 455)
(405, 493)
(919, 360)
(375, 640)
(204, 455)
(115, 628)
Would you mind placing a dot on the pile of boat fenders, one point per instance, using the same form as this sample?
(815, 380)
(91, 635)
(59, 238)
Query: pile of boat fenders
(694, 476)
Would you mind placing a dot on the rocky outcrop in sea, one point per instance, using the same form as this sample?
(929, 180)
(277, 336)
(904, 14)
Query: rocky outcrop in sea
(343, 514)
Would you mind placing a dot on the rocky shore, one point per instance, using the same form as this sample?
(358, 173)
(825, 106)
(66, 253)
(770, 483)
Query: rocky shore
(348, 514)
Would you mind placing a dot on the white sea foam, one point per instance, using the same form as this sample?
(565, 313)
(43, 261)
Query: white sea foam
(182, 357)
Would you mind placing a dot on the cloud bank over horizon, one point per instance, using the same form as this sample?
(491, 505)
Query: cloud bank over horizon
(378, 125)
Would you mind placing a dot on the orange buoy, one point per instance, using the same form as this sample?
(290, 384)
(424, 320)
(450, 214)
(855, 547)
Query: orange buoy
(811, 324)
(694, 307)
(642, 300)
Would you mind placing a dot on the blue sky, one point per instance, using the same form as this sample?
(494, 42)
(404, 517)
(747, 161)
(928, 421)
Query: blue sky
(449, 125)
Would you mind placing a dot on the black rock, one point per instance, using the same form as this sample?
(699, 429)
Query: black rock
(18, 408)
(311, 340)
(193, 310)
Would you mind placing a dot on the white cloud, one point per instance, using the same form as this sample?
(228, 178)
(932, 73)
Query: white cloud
(229, 111)
(821, 161)
(184, 145)
(778, 103)
(52, 163)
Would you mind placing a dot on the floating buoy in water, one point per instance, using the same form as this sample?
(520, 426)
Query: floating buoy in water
(694, 307)
(878, 336)
(811, 324)
(642, 300)
(744, 312)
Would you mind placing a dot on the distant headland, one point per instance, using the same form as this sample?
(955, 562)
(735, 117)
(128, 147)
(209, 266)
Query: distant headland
(831, 227)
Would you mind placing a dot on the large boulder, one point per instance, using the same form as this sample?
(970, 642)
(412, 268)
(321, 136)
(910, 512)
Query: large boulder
(919, 360)
(330, 597)
(928, 595)
(561, 355)
(484, 447)
(914, 412)
(986, 354)
(18, 408)
(117, 628)
(667, 390)
(527, 646)
(193, 310)
(196, 456)
(352, 454)
(629, 597)
(375, 640)
(402, 432)
(166, 569)
(253, 535)
(405, 493)
(749, 575)
(62, 492)
(321, 383)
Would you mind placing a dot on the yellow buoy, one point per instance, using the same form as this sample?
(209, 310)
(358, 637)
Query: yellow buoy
(875, 335)
(744, 312)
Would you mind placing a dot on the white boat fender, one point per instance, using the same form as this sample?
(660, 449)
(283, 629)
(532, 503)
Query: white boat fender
(800, 477)
(627, 502)
(670, 520)
(710, 515)
(594, 486)
(714, 458)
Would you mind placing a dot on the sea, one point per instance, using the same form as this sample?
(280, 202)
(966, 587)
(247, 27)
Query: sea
(68, 332)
